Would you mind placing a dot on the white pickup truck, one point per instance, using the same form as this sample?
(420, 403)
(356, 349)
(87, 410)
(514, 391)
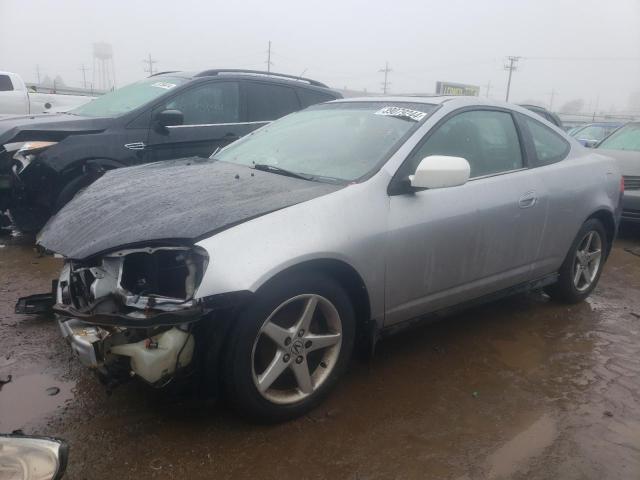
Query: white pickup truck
(17, 99)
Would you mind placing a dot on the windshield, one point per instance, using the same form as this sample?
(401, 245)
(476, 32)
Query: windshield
(627, 138)
(591, 132)
(128, 98)
(343, 141)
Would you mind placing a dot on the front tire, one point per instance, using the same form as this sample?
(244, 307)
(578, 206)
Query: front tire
(288, 347)
(581, 269)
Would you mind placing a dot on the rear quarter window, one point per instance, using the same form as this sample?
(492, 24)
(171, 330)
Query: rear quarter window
(548, 145)
(310, 97)
(267, 102)
(5, 83)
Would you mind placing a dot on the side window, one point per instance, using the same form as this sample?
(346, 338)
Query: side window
(487, 139)
(216, 102)
(549, 146)
(5, 83)
(310, 97)
(269, 102)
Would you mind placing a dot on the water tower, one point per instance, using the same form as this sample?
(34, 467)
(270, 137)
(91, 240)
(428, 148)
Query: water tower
(104, 74)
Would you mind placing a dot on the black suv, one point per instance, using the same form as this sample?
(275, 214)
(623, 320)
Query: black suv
(46, 159)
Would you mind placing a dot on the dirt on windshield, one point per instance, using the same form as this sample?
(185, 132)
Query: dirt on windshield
(521, 388)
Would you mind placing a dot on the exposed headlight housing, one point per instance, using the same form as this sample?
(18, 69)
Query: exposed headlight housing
(157, 278)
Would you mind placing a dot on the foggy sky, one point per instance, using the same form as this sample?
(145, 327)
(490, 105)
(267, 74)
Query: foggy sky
(344, 43)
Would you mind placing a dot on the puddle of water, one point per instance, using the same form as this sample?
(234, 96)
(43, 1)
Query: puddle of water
(25, 399)
(513, 455)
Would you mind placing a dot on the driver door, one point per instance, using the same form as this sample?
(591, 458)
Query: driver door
(212, 119)
(450, 245)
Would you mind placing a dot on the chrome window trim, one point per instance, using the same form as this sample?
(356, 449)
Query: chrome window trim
(220, 124)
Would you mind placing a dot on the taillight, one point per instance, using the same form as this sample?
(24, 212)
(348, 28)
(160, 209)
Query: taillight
(621, 184)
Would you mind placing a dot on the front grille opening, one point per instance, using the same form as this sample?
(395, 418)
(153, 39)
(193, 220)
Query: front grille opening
(161, 273)
(631, 182)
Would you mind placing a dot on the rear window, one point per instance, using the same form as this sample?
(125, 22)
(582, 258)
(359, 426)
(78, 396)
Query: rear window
(549, 146)
(5, 83)
(310, 97)
(269, 102)
(626, 138)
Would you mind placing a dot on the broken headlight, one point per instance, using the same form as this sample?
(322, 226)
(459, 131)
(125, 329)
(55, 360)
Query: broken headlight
(161, 278)
(26, 152)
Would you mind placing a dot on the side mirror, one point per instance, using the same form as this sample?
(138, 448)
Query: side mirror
(169, 118)
(588, 143)
(23, 456)
(441, 171)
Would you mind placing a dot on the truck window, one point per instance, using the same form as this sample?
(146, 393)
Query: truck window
(5, 83)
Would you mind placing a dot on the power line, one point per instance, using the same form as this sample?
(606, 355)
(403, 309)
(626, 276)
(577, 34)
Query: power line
(149, 62)
(511, 67)
(386, 70)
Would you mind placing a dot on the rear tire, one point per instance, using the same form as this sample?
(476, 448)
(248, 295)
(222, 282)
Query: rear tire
(581, 269)
(288, 347)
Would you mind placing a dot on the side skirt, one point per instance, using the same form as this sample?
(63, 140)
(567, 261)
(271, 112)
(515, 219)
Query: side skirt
(444, 312)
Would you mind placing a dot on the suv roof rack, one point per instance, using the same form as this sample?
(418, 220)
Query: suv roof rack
(162, 73)
(210, 73)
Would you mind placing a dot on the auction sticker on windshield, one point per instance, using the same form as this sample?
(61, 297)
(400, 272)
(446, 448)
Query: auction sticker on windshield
(165, 85)
(401, 112)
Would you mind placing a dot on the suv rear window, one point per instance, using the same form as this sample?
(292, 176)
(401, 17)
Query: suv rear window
(269, 102)
(5, 83)
(310, 97)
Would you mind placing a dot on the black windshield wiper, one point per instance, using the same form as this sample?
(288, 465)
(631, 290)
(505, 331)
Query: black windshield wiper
(281, 171)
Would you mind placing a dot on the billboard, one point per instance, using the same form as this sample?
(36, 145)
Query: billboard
(450, 88)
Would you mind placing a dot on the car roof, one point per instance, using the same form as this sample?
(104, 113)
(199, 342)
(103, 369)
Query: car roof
(603, 124)
(458, 100)
(272, 77)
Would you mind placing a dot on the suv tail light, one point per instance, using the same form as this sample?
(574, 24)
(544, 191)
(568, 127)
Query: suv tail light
(621, 184)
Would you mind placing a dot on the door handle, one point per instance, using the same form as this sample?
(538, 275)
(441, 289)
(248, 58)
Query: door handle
(527, 200)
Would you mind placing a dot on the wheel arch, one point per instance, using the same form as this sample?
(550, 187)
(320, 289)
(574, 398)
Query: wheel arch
(608, 221)
(348, 277)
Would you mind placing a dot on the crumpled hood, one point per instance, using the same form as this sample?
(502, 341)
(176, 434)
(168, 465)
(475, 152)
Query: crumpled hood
(17, 128)
(179, 200)
(628, 161)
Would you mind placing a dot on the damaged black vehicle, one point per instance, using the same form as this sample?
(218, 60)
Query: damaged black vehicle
(45, 160)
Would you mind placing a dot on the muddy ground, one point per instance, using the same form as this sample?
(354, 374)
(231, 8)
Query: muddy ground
(522, 388)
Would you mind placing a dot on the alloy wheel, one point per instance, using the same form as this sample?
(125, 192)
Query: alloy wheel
(296, 349)
(586, 263)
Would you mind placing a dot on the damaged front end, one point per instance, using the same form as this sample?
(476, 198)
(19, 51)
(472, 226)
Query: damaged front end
(133, 312)
(26, 185)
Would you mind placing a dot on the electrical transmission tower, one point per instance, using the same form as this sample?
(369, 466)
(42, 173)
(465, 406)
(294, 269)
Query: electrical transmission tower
(269, 62)
(386, 70)
(84, 76)
(149, 62)
(511, 66)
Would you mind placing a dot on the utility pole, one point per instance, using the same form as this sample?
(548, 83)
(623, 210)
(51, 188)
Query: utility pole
(269, 62)
(511, 67)
(149, 62)
(84, 76)
(552, 95)
(488, 87)
(38, 73)
(386, 70)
